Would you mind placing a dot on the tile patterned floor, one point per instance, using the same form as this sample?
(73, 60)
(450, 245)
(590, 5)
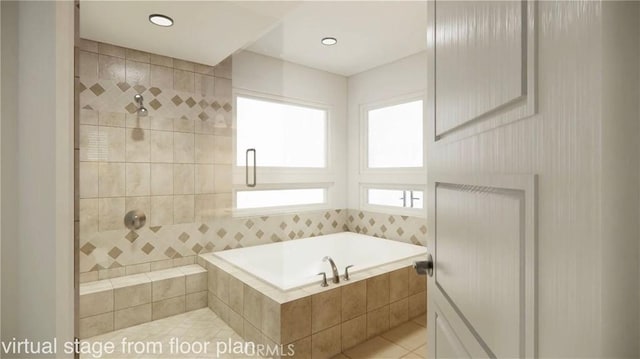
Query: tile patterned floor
(405, 341)
(408, 340)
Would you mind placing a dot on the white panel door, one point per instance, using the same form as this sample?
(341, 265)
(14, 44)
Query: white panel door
(481, 223)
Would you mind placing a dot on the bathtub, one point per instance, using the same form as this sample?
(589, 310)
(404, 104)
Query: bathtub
(294, 264)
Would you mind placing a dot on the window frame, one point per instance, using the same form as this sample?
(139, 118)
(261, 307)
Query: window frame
(282, 178)
(364, 134)
(399, 178)
(406, 211)
(290, 101)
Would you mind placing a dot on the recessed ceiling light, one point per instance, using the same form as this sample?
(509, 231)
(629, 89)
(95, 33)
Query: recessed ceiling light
(160, 20)
(329, 41)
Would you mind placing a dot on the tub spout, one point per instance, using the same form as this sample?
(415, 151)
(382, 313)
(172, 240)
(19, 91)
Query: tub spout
(334, 269)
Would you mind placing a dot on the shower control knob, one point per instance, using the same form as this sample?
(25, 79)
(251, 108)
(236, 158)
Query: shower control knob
(135, 219)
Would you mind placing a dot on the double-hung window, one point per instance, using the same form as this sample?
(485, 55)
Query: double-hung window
(282, 155)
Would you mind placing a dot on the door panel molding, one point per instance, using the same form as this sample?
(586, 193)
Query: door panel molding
(506, 92)
(475, 195)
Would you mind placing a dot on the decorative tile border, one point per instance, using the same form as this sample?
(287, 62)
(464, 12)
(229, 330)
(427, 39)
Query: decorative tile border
(116, 253)
(119, 252)
(398, 228)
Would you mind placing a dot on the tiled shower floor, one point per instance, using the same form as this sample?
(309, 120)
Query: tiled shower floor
(405, 341)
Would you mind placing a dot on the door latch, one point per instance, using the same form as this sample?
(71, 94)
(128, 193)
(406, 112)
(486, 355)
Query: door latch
(424, 267)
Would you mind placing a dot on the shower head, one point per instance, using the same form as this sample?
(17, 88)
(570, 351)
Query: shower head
(142, 111)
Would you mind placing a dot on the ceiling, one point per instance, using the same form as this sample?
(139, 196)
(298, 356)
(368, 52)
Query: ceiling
(204, 31)
(369, 34)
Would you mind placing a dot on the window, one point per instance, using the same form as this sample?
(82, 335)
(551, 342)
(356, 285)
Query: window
(392, 174)
(279, 198)
(395, 137)
(283, 134)
(396, 198)
(289, 142)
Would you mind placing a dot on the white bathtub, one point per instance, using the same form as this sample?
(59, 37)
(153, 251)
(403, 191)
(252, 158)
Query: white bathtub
(293, 264)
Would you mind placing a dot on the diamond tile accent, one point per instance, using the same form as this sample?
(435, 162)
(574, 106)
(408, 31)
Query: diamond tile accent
(275, 238)
(131, 108)
(215, 105)
(203, 104)
(227, 107)
(238, 236)
(197, 248)
(87, 248)
(147, 248)
(97, 89)
(296, 218)
(155, 229)
(383, 228)
(81, 87)
(131, 236)
(123, 86)
(283, 225)
(155, 91)
(391, 220)
(327, 215)
(292, 235)
(209, 247)
(96, 267)
(259, 234)
(221, 233)
(176, 100)
(203, 228)
(423, 229)
(190, 102)
(115, 252)
(203, 116)
(361, 215)
(155, 104)
(249, 223)
(372, 221)
(308, 222)
(400, 231)
(184, 237)
(170, 252)
(139, 88)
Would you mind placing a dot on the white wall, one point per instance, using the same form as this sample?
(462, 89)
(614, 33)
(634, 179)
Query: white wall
(37, 170)
(274, 77)
(400, 78)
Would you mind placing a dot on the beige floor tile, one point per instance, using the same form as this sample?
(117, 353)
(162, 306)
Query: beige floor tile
(412, 355)
(378, 348)
(409, 335)
(421, 352)
(421, 320)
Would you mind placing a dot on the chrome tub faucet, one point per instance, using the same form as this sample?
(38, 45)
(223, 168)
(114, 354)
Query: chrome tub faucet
(334, 269)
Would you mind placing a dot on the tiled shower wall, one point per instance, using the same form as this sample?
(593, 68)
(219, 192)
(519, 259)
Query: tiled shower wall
(174, 165)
